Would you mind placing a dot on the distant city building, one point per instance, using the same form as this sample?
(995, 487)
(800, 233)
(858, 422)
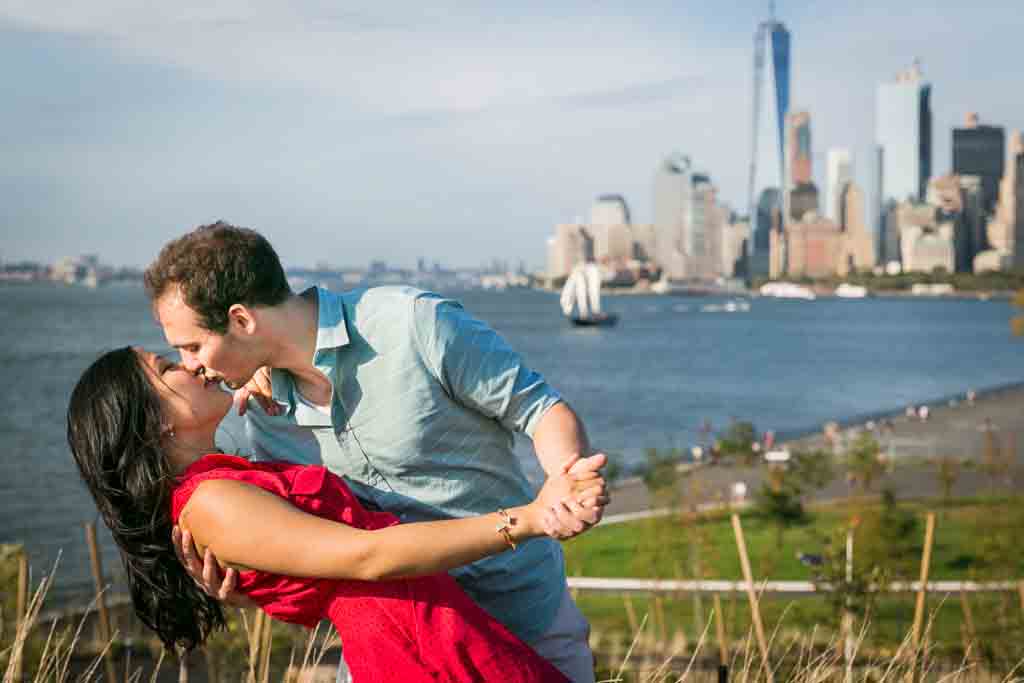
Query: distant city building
(798, 148)
(609, 209)
(734, 252)
(644, 242)
(811, 247)
(613, 244)
(980, 150)
(927, 239)
(802, 199)
(610, 229)
(770, 108)
(928, 249)
(571, 244)
(1005, 231)
(903, 133)
(958, 200)
(858, 249)
(672, 187)
(767, 217)
(839, 172)
(688, 222)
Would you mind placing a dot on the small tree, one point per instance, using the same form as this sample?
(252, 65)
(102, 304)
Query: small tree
(864, 462)
(889, 538)
(738, 440)
(947, 471)
(780, 502)
(846, 594)
(661, 476)
(812, 469)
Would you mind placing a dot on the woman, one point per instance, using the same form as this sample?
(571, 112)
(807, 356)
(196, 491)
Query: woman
(141, 429)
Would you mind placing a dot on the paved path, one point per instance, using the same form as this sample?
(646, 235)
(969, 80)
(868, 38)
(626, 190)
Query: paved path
(957, 431)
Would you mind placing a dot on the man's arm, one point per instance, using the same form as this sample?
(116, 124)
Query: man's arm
(479, 369)
(558, 438)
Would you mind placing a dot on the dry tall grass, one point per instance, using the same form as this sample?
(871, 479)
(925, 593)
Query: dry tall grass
(650, 657)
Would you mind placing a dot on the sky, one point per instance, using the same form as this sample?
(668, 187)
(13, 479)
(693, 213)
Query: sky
(450, 131)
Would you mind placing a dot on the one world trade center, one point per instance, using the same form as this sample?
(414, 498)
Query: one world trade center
(767, 162)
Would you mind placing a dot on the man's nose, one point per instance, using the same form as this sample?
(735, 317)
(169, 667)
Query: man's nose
(192, 364)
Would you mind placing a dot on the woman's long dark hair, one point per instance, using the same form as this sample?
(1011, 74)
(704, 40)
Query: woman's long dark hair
(114, 430)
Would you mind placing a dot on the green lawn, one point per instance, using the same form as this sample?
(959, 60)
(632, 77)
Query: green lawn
(661, 547)
(968, 534)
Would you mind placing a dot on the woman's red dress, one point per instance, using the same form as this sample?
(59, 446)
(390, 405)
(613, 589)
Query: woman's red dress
(408, 630)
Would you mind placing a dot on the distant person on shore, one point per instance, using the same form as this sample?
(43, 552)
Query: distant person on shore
(141, 429)
(403, 393)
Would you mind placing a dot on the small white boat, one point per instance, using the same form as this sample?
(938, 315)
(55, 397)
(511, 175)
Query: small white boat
(847, 291)
(786, 290)
(582, 292)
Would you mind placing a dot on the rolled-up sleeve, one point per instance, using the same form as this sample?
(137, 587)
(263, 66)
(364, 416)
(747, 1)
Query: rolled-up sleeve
(477, 367)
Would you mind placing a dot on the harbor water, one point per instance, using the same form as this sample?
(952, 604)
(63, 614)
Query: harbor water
(670, 367)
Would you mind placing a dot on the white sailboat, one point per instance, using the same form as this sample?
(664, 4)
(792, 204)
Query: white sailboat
(582, 292)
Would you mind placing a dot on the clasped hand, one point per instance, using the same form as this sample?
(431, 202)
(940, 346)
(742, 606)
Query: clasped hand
(574, 500)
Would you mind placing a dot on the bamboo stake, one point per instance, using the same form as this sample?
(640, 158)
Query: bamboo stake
(755, 611)
(723, 645)
(101, 600)
(22, 605)
(662, 627)
(1020, 591)
(926, 559)
(630, 614)
(848, 645)
(255, 639)
(968, 623)
(268, 632)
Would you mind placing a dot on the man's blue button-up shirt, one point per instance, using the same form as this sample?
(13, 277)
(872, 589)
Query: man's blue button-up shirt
(426, 399)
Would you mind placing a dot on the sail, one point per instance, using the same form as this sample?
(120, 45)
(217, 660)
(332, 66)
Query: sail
(593, 277)
(568, 295)
(579, 279)
(575, 293)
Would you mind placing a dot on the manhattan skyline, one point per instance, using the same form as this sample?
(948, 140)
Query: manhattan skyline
(409, 132)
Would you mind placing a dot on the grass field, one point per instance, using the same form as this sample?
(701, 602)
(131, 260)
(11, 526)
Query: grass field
(974, 539)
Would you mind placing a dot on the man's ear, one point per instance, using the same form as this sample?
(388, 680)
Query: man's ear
(241, 318)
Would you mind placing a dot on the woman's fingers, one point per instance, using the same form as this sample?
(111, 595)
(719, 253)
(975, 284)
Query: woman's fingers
(260, 388)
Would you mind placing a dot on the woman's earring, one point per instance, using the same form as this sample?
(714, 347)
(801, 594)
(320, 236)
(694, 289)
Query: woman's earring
(168, 431)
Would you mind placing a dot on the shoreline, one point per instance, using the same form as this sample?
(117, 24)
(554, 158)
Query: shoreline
(935, 405)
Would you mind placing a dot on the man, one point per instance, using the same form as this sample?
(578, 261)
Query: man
(400, 391)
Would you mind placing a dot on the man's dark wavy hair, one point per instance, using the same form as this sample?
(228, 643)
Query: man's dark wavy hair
(114, 430)
(217, 266)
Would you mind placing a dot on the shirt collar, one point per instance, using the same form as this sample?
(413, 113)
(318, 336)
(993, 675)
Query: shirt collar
(331, 333)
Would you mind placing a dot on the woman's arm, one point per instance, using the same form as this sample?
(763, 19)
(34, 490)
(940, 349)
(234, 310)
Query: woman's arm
(250, 528)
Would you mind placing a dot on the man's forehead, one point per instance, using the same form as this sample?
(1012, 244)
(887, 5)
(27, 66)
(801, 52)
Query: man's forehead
(173, 313)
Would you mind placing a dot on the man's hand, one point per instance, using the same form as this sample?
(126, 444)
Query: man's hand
(574, 515)
(259, 388)
(207, 574)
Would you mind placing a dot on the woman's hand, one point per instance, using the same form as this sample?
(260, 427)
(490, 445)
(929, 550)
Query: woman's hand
(571, 502)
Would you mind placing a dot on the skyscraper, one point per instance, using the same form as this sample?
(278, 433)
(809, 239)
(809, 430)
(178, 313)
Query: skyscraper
(980, 151)
(672, 188)
(609, 209)
(688, 221)
(904, 134)
(770, 107)
(839, 173)
(798, 149)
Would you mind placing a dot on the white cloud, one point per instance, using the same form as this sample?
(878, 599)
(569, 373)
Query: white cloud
(405, 59)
